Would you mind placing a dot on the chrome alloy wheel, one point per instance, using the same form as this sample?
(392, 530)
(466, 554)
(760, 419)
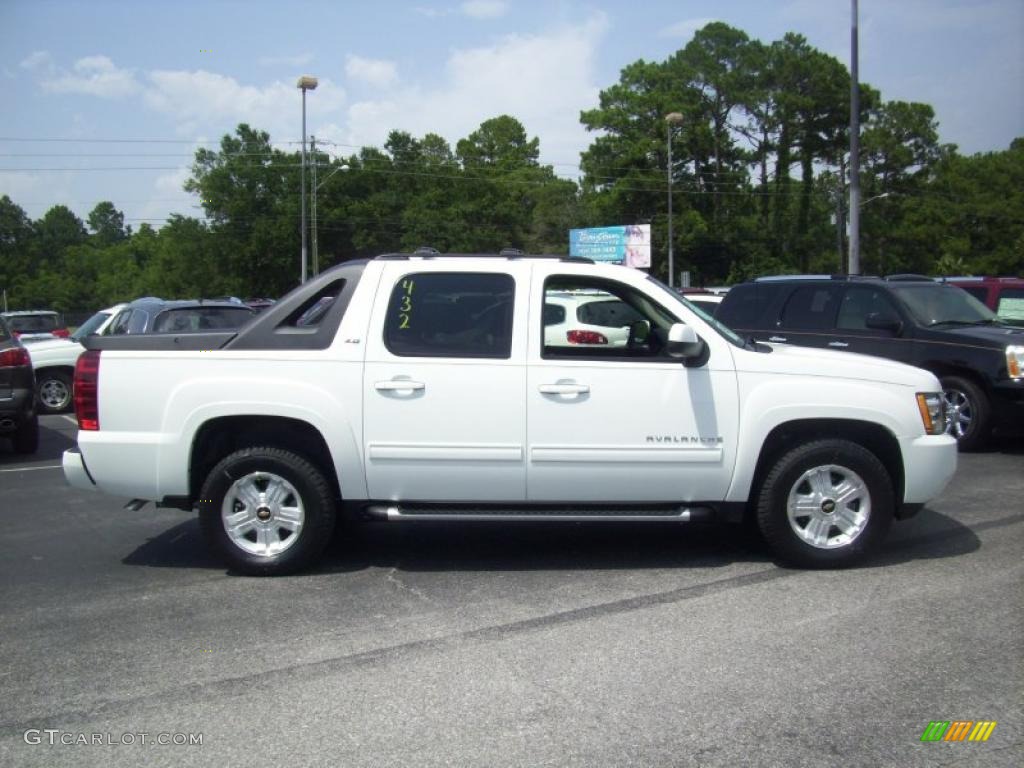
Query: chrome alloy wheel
(55, 394)
(959, 412)
(829, 506)
(263, 514)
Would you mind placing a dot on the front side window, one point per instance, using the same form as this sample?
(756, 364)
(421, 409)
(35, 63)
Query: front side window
(451, 314)
(859, 302)
(811, 308)
(604, 319)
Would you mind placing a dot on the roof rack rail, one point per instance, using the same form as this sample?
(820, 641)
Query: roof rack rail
(511, 252)
(430, 253)
(907, 278)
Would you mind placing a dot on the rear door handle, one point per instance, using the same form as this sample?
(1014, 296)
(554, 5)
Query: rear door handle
(838, 344)
(564, 389)
(777, 338)
(398, 385)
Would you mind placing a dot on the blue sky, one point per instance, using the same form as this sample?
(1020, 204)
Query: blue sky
(187, 72)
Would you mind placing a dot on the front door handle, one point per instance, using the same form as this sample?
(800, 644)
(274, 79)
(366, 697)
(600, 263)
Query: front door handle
(838, 344)
(564, 389)
(394, 385)
(777, 339)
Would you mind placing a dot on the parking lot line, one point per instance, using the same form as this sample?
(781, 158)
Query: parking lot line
(29, 469)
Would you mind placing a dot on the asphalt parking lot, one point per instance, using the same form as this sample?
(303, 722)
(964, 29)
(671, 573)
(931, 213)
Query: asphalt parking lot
(534, 645)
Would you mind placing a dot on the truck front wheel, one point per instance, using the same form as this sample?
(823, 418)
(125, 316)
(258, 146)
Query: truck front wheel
(268, 511)
(825, 504)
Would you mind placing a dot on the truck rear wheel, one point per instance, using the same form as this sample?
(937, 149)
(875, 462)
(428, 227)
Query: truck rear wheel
(825, 504)
(268, 511)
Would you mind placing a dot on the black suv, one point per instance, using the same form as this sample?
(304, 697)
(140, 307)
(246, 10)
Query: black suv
(18, 419)
(909, 318)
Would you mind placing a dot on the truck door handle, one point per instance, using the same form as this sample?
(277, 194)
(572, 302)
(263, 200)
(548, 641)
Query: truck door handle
(398, 385)
(838, 344)
(777, 338)
(564, 389)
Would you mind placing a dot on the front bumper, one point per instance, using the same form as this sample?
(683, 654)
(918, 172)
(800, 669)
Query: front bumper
(929, 463)
(75, 471)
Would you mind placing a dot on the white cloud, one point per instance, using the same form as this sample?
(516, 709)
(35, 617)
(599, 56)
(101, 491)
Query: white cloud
(38, 61)
(513, 77)
(377, 72)
(685, 29)
(483, 9)
(94, 76)
(432, 13)
(201, 98)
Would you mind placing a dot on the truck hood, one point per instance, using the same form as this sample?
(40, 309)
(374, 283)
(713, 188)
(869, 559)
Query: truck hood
(997, 336)
(785, 359)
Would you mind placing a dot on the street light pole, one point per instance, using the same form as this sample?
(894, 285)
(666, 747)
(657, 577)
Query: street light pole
(854, 147)
(312, 211)
(672, 118)
(305, 83)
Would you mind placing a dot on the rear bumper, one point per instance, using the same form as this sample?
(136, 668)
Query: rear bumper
(928, 463)
(75, 471)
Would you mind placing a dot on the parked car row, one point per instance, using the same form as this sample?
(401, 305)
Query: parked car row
(53, 360)
(977, 357)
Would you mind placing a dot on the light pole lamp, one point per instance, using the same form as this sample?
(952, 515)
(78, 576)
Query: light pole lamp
(671, 119)
(305, 83)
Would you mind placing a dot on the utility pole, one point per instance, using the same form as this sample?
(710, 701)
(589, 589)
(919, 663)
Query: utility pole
(316, 162)
(854, 147)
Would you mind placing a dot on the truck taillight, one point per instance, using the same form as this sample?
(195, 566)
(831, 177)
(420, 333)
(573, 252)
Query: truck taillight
(87, 379)
(15, 357)
(585, 337)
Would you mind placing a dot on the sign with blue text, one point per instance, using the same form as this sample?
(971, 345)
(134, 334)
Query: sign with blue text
(629, 244)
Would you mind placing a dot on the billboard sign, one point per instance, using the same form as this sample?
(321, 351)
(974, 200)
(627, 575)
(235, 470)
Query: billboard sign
(628, 244)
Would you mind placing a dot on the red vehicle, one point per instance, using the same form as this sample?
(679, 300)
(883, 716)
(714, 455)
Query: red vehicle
(1003, 295)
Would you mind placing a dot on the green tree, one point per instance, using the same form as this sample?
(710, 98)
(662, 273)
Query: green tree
(107, 223)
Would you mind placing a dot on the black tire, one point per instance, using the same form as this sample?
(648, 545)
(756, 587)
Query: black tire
(965, 398)
(313, 493)
(26, 438)
(834, 459)
(56, 388)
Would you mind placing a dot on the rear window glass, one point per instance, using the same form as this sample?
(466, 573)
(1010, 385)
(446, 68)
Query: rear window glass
(34, 323)
(196, 319)
(554, 314)
(811, 307)
(612, 313)
(745, 306)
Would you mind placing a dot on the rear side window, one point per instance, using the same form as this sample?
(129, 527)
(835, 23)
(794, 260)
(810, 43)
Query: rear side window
(981, 294)
(811, 308)
(1011, 305)
(451, 314)
(612, 313)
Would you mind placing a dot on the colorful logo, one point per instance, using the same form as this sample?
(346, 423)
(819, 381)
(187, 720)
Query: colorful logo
(958, 730)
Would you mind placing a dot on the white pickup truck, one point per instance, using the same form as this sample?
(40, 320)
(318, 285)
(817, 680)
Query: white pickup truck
(423, 386)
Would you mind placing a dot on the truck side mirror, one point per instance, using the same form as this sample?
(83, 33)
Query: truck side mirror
(883, 321)
(684, 343)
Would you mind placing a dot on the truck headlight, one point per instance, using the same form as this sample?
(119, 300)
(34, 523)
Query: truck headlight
(1015, 361)
(933, 412)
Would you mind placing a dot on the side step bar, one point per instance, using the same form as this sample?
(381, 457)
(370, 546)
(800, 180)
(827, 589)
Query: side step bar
(574, 513)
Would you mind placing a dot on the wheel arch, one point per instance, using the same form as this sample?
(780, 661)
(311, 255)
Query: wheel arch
(874, 437)
(223, 435)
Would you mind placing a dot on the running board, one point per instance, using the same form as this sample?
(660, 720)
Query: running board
(569, 513)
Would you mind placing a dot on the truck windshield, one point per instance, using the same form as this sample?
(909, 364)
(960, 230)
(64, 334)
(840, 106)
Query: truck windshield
(89, 326)
(943, 305)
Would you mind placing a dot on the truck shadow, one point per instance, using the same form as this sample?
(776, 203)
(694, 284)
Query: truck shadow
(447, 546)
(53, 441)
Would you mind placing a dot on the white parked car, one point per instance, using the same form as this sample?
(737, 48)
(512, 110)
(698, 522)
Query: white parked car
(424, 388)
(591, 319)
(54, 362)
